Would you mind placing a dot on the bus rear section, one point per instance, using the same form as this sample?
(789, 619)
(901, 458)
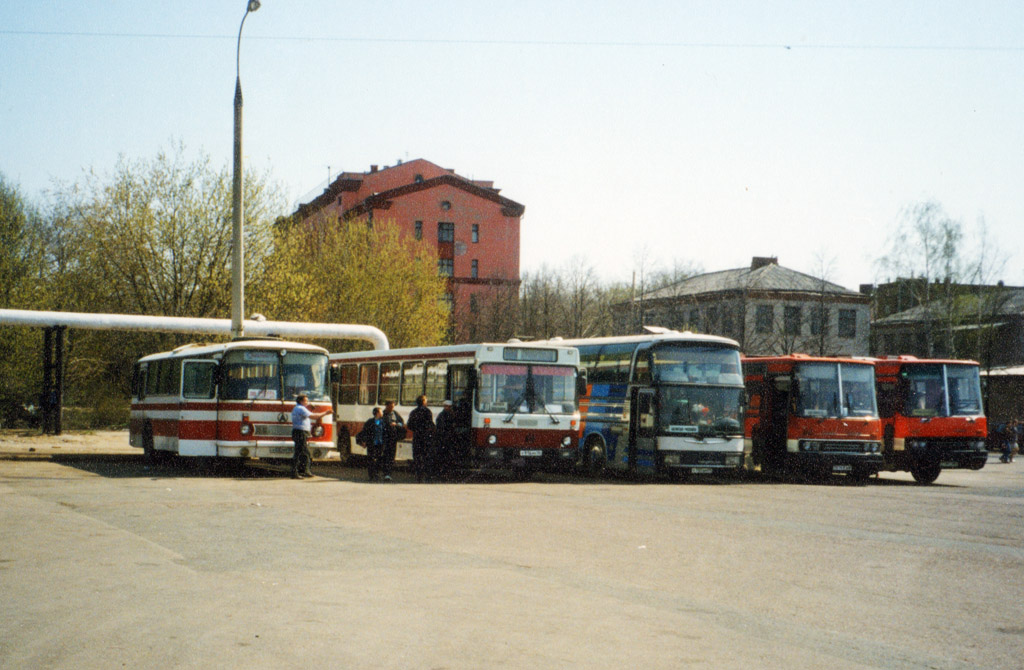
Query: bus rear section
(812, 416)
(932, 415)
(231, 400)
(666, 403)
(515, 405)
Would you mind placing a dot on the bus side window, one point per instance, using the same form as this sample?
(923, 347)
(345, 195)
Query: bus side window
(642, 371)
(198, 379)
(367, 383)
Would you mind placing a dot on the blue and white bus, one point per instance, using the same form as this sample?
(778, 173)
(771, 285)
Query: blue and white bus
(669, 402)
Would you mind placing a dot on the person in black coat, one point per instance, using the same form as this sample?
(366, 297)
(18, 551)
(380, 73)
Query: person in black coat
(394, 430)
(421, 423)
(445, 439)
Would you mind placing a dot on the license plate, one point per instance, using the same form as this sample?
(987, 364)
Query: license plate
(531, 452)
(842, 468)
(701, 471)
(280, 450)
(949, 464)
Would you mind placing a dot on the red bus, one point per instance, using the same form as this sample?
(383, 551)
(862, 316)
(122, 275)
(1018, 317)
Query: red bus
(230, 400)
(932, 415)
(812, 415)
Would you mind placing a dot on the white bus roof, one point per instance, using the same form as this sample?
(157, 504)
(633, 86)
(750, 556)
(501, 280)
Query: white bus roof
(672, 336)
(200, 350)
(450, 351)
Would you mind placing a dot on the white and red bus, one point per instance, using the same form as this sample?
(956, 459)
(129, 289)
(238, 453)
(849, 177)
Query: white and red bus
(516, 405)
(229, 400)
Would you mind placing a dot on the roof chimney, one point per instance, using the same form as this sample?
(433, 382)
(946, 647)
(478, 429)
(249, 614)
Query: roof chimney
(373, 168)
(761, 261)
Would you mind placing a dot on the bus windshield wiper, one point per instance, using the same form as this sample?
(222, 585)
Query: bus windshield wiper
(515, 407)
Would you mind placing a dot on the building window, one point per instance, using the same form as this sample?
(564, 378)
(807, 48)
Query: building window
(446, 267)
(819, 320)
(791, 319)
(848, 323)
(476, 233)
(475, 272)
(445, 205)
(763, 318)
(448, 300)
(418, 179)
(694, 319)
(419, 230)
(473, 306)
(445, 231)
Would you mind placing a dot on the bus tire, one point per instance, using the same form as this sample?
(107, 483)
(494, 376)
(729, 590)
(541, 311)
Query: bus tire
(594, 458)
(148, 450)
(344, 446)
(925, 473)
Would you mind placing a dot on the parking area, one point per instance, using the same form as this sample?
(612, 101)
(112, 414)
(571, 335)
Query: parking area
(106, 561)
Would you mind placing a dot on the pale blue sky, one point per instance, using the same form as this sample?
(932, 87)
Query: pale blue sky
(708, 131)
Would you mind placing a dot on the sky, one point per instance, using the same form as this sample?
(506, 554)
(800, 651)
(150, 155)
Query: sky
(636, 134)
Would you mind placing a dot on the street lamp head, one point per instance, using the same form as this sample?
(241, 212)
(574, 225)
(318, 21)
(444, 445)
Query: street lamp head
(253, 5)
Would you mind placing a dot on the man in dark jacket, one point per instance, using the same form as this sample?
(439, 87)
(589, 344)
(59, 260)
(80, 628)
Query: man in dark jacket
(372, 437)
(445, 441)
(421, 423)
(394, 430)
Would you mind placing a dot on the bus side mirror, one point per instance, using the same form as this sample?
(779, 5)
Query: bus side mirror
(581, 383)
(471, 381)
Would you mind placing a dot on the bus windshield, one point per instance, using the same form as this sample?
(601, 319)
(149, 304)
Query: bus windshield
(700, 410)
(511, 387)
(696, 364)
(258, 374)
(834, 390)
(931, 386)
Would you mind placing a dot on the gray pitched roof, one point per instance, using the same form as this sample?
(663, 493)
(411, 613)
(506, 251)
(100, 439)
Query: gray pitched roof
(1012, 304)
(771, 277)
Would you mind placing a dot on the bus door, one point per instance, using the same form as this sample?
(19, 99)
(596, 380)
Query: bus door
(776, 421)
(198, 385)
(642, 426)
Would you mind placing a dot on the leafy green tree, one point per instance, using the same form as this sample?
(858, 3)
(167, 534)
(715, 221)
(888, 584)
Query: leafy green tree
(152, 237)
(324, 271)
(21, 287)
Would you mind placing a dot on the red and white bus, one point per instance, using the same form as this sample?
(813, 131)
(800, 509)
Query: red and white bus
(230, 400)
(516, 404)
(813, 415)
(932, 415)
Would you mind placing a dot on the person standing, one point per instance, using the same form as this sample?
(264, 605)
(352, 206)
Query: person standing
(302, 428)
(444, 441)
(372, 437)
(421, 423)
(1009, 441)
(394, 430)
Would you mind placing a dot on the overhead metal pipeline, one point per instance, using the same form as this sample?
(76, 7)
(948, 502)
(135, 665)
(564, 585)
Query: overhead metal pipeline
(181, 324)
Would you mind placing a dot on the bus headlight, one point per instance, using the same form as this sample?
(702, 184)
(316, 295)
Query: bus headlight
(318, 430)
(733, 459)
(492, 439)
(566, 441)
(671, 459)
(246, 429)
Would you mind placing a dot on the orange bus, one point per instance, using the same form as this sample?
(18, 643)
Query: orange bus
(812, 415)
(932, 415)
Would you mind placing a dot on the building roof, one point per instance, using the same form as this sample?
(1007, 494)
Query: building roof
(764, 274)
(376, 178)
(1011, 303)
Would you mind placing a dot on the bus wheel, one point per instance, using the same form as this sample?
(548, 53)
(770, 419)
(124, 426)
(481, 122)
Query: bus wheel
(344, 446)
(147, 445)
(593, 459)
(925, 473)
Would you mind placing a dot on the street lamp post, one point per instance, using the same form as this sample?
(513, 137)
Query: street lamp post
(237, 250)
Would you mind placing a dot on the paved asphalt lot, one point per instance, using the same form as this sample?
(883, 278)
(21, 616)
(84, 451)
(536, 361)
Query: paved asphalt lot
(107, 562)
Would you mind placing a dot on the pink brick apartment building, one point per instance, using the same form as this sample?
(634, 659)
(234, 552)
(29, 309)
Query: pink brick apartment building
(474, 229)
